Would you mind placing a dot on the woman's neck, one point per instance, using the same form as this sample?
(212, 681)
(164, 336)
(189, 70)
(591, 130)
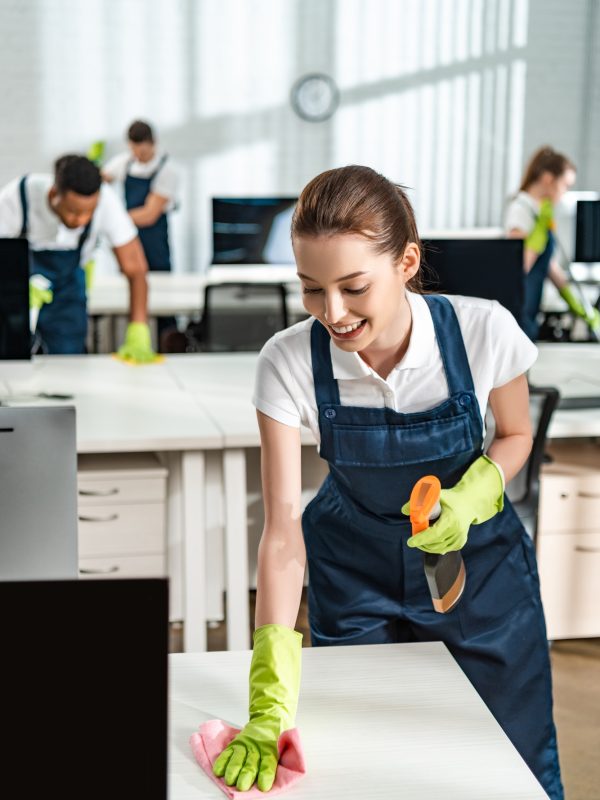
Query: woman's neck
(389, 349)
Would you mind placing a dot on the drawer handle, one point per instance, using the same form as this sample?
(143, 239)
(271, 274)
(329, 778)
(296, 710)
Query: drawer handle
(581, 549)
(111, 518)
(589, 495)
(106, 571)
(90, 493)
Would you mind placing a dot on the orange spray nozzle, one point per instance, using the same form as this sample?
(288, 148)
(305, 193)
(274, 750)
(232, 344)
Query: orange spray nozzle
(423, 500)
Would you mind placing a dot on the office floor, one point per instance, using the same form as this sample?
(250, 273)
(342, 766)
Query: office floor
(576, 676)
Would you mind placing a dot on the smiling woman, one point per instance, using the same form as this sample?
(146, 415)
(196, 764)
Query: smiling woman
(394, 386)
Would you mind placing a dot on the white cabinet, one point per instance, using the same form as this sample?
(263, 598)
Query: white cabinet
(568, 547)
(122, 515)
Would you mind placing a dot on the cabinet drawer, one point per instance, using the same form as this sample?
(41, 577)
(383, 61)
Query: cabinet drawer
(123, 567)
(120, 490)
(569, 566)
(121, 529)
(569, 503)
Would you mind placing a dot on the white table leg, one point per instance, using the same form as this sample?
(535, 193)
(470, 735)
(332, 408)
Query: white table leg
(175, 543)
(236, 550)
(192, 480)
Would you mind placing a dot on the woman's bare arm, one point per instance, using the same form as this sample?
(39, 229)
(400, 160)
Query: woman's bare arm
(512, 441)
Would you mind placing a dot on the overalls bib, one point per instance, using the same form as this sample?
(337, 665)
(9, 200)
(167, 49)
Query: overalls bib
(154, 238)
(62, 324)
(367, 586)
(534, 285)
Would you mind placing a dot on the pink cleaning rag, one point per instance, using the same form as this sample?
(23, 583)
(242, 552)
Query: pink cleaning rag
(215, 735)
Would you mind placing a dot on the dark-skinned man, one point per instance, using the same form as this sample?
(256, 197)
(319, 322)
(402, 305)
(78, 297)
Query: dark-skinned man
(62, 216)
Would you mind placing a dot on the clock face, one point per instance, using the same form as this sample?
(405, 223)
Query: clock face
(315, 97)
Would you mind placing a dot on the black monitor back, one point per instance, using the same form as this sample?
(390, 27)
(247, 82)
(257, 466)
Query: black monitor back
(587, 231)
(84, 688)
(243, 228)
(15, 337)
(489, 268)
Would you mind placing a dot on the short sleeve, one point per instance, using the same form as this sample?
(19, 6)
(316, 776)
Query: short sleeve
(166, 183)
(513, 352)
(519, 215)
(115, 223)
(115, 167)
(11, 212)
(273, 387)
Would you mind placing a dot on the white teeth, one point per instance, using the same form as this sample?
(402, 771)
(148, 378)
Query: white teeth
(346, 328)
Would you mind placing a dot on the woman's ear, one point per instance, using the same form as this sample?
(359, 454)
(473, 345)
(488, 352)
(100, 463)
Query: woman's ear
(410, 262)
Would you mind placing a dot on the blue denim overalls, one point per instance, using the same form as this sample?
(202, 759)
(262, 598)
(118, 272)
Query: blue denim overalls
(62, 324)
(366, 586)
(154, 238)
(534, 286)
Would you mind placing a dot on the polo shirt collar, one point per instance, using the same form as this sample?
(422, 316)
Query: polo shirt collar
(421, 347)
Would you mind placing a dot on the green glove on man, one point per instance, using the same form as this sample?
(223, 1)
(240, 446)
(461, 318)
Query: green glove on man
(40, 292)
(274, 687)
(137, 346)
(538, 238)
(591, 317)
(477, 497)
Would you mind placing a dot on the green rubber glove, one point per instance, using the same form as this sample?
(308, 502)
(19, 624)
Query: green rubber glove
(274, 687)
(477, 497)
(40, 292)
(538, 238)
(137, 346)
(592, 318)
(95, 152)
(88, 269)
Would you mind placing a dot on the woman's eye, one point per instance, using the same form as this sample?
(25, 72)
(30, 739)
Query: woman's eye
(310, 291)
(357, 291)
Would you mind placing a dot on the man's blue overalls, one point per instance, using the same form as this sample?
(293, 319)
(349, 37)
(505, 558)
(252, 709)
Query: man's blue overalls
(366, 586)
(154, 238)
(62, 324)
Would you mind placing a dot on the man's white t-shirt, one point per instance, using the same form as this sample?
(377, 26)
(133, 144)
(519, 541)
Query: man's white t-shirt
(165, 183)
(497, 349)
(45, 231)
(521, 213)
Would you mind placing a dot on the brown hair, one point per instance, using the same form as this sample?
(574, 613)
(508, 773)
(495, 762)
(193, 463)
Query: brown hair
(139, 132)
(544, 160)
(357, 199)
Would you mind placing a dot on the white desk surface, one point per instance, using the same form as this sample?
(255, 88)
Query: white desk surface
(121, 408)
(377, 721)
(223, 384)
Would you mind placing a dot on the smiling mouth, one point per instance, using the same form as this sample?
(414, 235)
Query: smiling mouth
(347, 331)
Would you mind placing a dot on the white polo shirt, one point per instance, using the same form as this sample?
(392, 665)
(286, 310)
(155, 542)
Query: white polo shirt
(166, 183)
(45, 231)
(497, 349)
(521, 213)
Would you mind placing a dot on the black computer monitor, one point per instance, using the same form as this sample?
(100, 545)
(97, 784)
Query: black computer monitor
(15, 336)
(252, 230)
(84, 688)
(587, 231)
(490, 268)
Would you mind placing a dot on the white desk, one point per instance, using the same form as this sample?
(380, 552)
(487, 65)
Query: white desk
(121, 408)
(222, 385)
(377, 721)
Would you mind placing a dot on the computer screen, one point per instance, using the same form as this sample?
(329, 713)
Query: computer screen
(489, 268)
(587, 231)
(38, 493)
(15, 336)
(252, 230)
(84, 688)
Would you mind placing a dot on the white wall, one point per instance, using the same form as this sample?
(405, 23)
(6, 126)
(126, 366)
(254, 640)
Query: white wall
(446, 96)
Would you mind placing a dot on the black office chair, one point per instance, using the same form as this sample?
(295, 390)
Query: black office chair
(238, 317)
(524, 489)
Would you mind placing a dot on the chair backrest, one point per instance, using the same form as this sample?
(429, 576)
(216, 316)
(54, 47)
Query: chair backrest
(241, 316)
(524, 489)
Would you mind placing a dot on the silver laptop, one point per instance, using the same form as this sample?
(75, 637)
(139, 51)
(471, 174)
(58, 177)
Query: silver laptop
(38, 493)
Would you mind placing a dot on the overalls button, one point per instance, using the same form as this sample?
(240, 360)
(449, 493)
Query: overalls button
(330, 413)
(465, 400)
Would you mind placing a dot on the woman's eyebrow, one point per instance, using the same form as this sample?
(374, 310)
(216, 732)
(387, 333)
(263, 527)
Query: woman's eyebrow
(339, 280)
